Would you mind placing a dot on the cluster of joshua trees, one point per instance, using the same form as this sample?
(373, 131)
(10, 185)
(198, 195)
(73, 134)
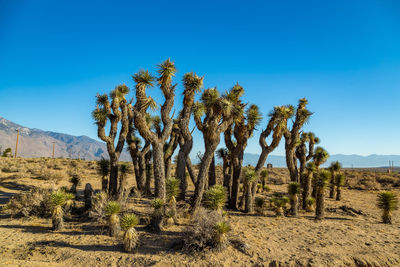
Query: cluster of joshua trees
(153, 139)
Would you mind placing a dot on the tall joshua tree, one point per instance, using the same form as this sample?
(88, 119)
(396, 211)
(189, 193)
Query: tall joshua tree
(303, 154)
(321, 181)
(334, 168)
(307, 178)
(292, 138)
(144, 79)
(278, 118)
(242, 130)
(115, 112)
(213, 115)
(137, 152)
(320, 157)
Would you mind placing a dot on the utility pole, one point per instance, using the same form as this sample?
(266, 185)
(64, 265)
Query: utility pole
(53, 149)
(16, 145)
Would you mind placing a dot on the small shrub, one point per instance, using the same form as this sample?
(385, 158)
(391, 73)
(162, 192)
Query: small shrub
(310, 204)
(388, 202)
(215, 197)
(208, 229)
(99, 202)
(279, 205)
(112, 210)
(260, 205)
(128, 223)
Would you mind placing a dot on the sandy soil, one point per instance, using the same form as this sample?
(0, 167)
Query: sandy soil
(342, 239)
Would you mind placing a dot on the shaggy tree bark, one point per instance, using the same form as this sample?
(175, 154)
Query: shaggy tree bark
(212, 177)
(169, 149)
(115, 112)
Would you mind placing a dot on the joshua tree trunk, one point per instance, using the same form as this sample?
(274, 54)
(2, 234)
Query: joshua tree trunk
(181, 173)
(237, 170)
(201, 178)
(227, 183)
(212, 178)
(338, 193)
(320, 209)
(113, 182)
(306, 189)
(332, 187)
(387, 217)
(158, 167)
(248, 203)
(294, 205)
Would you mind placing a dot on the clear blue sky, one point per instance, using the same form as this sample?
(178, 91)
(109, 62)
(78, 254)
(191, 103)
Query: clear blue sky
(344, 56)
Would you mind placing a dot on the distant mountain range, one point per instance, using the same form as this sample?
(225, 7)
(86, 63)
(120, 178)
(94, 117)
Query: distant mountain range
(39, 143)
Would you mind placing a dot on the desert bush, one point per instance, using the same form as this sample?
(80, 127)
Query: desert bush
(260, 205)
(157, 217)
(294, 190)
(208, 229)
(310, 204)
(58, 199)
(32, 203)
(172, 191)
(52, 175)
(215, 197)
(128, 223)
(75, 180)
(388, 202)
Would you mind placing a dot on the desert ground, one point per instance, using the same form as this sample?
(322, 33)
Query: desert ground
(351, 234)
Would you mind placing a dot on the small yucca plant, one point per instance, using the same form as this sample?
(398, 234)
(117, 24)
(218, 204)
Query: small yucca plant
(260, 205)
(75, 181)
(128, 223)
(57, 201)
(157, 217)
(214, 198)
(259, 188)
(387, 201)
(112, 210)
(103, 168)
(322, 179)
(266, 188)
(294, 190)
(221, 229)
(279, 204)
(69, 201)
(173, 190)
(310, 203)
(339, 180)
(264, 176)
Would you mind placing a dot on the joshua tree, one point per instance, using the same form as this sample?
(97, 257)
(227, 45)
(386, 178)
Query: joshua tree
(128, 223)
(221, 229)
(334, 169)
(294, 190)
(264, 177)
(75, 181)
(57, 201)
(169, 149)
(103, 168)
(215, 197)
(115, 112)
(279, 204)
(242, 129)
(321, 180)
(112, 210)
(172, 188)
(339, 180)
(137, 152)
(157, 217)
(192, 84)
(143, 79)
(276, 126)
(124, 168)
(219, 111)
(387, 202)
(249, 177)
(292, 138)
(303, 154)
(307, 178)
(320, 157)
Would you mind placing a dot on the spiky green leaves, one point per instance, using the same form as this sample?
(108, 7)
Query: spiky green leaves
(157, 203)
(75, 180)
(310, 167)
(100, 115)
(222, 153)
(250, 175)
(322, 178)
(129, 221)
(58, 198)
(259, 202)
(310, 202)
(280, 202)
(339, 179)
(192, 83)
(294, 189)
(335, 166)
(172, 187)
(103, 167)
(210, 97)
(320, 156)
(387, 201)
(222, 227)
(198, 109)
(166, 70)
(119, 92)
(264, 173)
(112, 208)
(253, 115)
(124, 168)
(144, 78)
(215, 197)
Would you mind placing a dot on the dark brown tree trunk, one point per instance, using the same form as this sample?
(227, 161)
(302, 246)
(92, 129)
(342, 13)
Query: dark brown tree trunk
(113, 181)
(141, 174)
(292, 164)
(320, 209)
(159, 172)
(306, 190)
(212, 178)
(332, 186)
(227, 183)
(338, 193)
(201, 178)
(148, 174)
(237, 170)
(181, 173)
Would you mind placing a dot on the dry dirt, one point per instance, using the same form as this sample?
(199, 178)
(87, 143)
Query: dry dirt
(342, 239)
